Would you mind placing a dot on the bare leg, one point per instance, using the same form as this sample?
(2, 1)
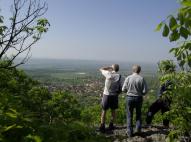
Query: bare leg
(102, 126)
(103, 114)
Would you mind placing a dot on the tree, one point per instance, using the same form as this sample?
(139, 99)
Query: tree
(178, 28)
(24, 29)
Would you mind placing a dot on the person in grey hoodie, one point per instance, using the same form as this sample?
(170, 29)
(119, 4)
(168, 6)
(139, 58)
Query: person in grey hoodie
(135, 87)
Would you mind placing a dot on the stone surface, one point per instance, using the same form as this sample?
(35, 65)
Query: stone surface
(148, 134)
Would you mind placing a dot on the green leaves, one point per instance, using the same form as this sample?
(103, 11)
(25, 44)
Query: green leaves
(172, 23)
(9, 127)
(165, 31)
(41, 29)
(174, 36)
(159, 26)
(188, 109)
(183, 55)
(175, 27)
(166, 66)
(1, 19)
(186, 3)
(2, 29)
(172, 30)
(180, 111)
(178, 28)
(42, 25)
(184, 32)
(12, 114)
(180, 17)
(43, 22)
(34, 138)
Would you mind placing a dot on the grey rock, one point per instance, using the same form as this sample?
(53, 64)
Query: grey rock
(151, 134)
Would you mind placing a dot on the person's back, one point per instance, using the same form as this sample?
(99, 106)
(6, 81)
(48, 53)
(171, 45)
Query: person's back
(135, 85)
(110, 94)
(116, 83)
(112, 81)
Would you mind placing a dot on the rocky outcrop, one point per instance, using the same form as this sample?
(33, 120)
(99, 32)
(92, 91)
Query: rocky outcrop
(148, 134)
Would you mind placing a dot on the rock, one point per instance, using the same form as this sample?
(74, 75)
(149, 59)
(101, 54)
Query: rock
(152, 134)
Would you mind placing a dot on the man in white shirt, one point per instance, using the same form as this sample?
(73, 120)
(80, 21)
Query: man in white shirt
(110, 94)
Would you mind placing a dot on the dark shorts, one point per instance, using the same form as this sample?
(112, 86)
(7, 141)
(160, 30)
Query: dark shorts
(109, 101)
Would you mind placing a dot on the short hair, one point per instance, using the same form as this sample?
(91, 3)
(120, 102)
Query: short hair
(115, 67)
(136, 68)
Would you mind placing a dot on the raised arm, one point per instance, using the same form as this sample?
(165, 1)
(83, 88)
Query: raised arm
(106, 71)
(106, 68)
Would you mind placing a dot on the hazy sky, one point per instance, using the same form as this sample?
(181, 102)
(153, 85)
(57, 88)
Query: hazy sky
(105, 30)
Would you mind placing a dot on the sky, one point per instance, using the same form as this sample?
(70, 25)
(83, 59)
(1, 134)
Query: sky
(113, 30)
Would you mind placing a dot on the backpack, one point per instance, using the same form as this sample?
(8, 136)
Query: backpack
(120, 86)
(116, 87)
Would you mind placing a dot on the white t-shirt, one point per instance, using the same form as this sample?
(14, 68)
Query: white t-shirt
(109, 77)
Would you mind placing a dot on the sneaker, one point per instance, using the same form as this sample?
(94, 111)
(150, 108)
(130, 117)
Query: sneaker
(102, 128)
(111, 126)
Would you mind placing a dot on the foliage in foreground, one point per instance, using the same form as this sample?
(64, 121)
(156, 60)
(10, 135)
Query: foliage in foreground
(180, 111)
(178, 29)
(29, 112)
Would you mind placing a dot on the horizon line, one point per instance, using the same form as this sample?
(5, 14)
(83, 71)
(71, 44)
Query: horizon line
(97, 60)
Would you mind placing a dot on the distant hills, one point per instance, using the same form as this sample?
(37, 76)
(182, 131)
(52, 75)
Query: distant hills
(82, 65)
